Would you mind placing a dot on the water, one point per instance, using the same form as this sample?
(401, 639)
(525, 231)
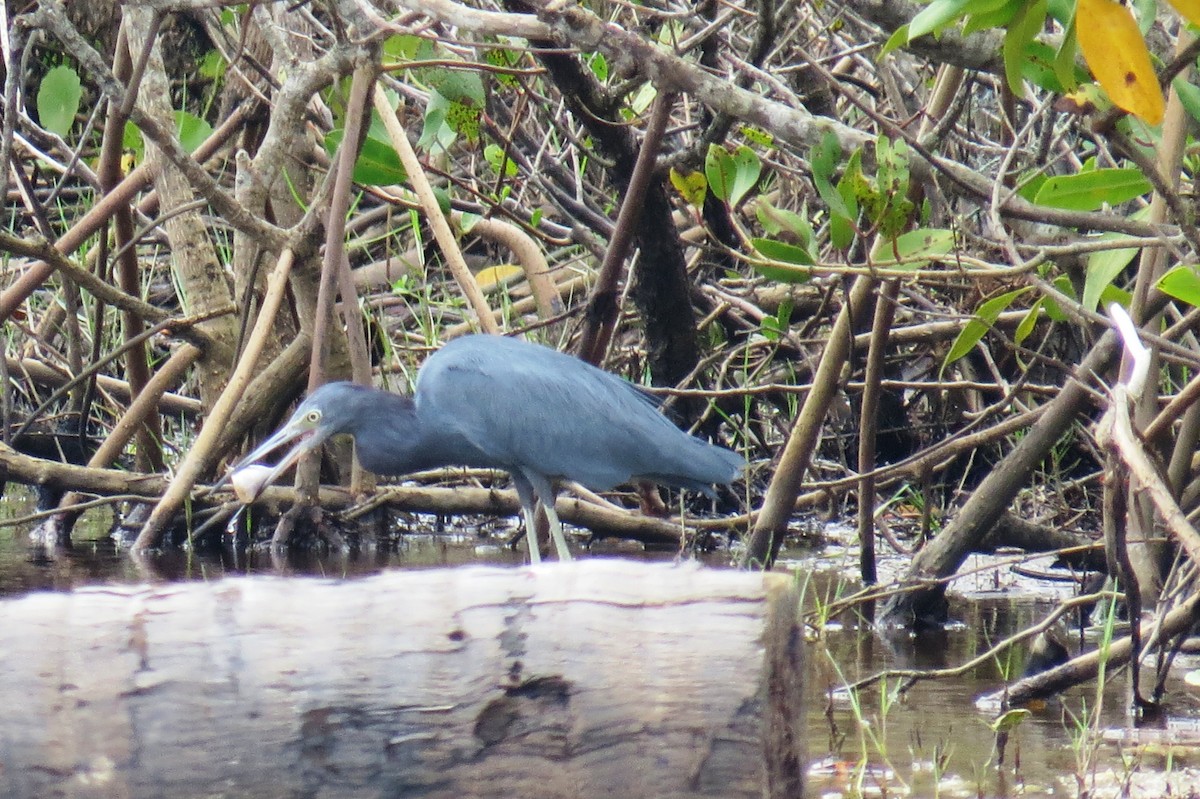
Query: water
(932, 741)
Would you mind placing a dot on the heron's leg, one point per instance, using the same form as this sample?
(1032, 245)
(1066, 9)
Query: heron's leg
(529, 511)
(556, 531)
(545, 494)
(531, 536)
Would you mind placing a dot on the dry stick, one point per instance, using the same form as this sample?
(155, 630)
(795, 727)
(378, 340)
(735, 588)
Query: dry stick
(98, 216)
(1170, 156)
(202, 451)
(38, 471)
(531, 258)
(1086, 667)
(335, 224)
(1186, 398)
(145, 404)
(96, 365)
(569, 287)
(603, 308)
(42, 374)
(437, 220)
(1141, 555)
(885, 311)
(1144, 477)
(913, 676)
(336, 269)
(52, 16)
(137, 369)
(784, 487)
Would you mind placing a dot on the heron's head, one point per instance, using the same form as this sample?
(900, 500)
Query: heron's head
(328, 411)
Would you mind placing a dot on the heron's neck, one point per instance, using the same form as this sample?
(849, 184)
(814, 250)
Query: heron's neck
(386, 435)
(393, 437)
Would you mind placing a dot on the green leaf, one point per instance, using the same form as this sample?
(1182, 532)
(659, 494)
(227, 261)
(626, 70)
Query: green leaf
(916, 248)
(843, 207)
(992, 15)
(1027, 24)
(747, 169)
(1113, 294)
(825, 156)
(401, 47)
(213, 66)
(457, 85)
(1057, 314)
(894, 42)
(1028, 322)
(1189, 97)
(1069, 75)
(377, 163)
(782, 251)
(776, 324)
(1182, 283)
(780, 220)
(783, 274)
(1102, 269)
(1039, 68)
(1088, 191)
(850, 188)
(1030, 185)
(494, 155)
(1010, 719)
(936, 16)
(643, 97)
(131, 139)
(463, 118)
(437, 131)
(974, 331)
(718, 169)
(730, 176)
(58, 100)
(193, 130)
(599, 66)
(758, 136)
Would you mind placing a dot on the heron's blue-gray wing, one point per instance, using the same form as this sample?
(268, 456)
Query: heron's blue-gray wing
(532, 408)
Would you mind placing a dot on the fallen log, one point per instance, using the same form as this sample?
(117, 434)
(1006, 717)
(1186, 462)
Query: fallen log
(586, 679)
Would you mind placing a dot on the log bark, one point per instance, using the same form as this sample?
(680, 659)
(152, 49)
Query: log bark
(588, 679)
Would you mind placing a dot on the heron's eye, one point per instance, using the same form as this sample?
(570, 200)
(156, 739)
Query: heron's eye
(313, 416)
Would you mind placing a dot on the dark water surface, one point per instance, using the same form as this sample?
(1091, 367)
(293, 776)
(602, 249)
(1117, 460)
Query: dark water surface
(934, 742)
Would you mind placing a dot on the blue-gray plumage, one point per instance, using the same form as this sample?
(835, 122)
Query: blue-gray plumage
(503, 403)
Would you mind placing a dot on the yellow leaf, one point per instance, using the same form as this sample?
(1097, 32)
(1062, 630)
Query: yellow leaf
(1115, 51)
(690, 185)
(1188, 9)
(497, 274)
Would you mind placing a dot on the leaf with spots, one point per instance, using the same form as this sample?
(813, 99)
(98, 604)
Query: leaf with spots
(1117, 55)
(915, 249)
(692, 186)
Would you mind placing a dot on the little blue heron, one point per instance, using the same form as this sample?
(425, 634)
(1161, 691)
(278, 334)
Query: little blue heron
(502, 403)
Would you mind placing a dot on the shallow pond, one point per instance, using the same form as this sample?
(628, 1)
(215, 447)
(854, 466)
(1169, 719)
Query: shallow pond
(935, 741)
